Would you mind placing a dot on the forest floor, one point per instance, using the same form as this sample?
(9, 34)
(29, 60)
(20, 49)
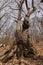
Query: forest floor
(13, 60)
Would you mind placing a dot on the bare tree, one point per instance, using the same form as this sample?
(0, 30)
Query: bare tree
(9, 21)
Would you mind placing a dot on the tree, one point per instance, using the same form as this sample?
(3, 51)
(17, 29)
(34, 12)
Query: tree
(12, 26)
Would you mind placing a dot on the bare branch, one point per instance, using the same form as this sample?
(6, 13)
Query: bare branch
(33, 6)
(27, 5)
